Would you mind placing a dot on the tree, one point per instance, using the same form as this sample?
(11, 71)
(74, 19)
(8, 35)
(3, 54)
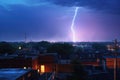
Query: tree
(78, 71)
(63, 49)
(78, 50)
(43, 44)
(6, 48)
(99, 47)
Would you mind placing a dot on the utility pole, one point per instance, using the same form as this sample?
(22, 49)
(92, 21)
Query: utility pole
(115, 47)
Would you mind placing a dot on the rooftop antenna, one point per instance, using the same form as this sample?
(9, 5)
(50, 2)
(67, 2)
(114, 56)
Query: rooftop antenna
(25, 38)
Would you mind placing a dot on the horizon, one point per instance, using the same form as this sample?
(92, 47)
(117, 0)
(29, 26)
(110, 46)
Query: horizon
(60, 41)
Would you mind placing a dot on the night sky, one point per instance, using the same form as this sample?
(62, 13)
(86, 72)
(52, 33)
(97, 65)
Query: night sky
(97, 20)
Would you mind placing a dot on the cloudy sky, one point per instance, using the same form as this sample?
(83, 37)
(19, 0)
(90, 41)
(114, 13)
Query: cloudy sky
(97, 20)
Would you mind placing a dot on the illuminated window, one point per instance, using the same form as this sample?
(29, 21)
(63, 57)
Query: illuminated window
(42, 68)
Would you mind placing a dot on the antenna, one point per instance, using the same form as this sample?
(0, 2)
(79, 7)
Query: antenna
(25, 38)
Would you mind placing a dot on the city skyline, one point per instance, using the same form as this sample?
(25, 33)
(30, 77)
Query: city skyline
(51, 20)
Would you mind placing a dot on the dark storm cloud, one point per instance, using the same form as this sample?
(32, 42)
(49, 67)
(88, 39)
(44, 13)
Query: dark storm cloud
(34, 21)
(110, 6)
(51, 19)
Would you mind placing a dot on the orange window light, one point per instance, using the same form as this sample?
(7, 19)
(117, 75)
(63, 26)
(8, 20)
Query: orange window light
(42, 68)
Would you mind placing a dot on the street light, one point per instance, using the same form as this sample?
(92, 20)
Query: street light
(20, 48)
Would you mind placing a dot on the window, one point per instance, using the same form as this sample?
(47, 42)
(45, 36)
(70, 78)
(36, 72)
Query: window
(42, 67)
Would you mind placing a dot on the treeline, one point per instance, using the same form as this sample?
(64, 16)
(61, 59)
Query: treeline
(62, 48)
(43, 46)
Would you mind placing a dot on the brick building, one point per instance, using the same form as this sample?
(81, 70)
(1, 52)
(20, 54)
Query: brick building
(15, 61)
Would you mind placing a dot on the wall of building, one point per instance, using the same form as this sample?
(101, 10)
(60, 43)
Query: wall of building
(16, 63)
(66, 68)
(32, 75)
(110, 62)
(35, 64)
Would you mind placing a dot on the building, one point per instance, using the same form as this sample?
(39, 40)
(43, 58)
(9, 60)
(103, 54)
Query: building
(16, 61)
(47, 62)
(43, 62)
(110, 61)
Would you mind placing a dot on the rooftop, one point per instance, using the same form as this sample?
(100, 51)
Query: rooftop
(12, 73)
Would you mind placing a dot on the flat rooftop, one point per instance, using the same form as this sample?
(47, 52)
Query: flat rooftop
(12, 73)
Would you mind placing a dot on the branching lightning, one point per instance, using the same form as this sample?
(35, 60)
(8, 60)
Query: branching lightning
(72, 25)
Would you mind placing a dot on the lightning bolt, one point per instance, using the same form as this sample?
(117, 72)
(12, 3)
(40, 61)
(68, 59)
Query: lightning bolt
(72, 25)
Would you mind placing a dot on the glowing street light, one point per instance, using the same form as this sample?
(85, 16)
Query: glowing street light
(20, 48)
